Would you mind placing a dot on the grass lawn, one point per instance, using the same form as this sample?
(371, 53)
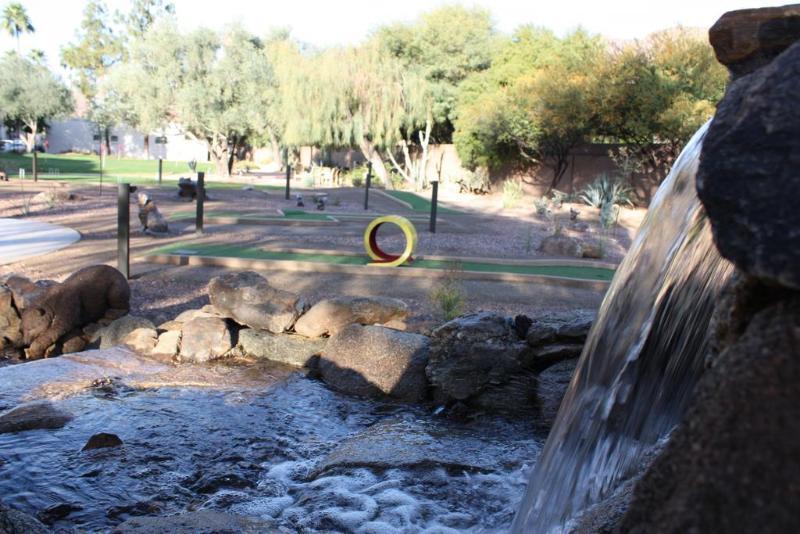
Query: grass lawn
(417, 202)
(81, 164)
(112, 180)
(253, 253)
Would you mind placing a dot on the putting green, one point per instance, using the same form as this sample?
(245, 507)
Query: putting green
(252, 253)
(417, 202)
(288, 214)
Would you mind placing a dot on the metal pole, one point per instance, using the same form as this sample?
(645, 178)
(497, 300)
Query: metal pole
(288, 174)
(434, 200)
(101, 169)
(123, 229)
(201, 196)
(35, 169)
(366, 189)
(160, 169)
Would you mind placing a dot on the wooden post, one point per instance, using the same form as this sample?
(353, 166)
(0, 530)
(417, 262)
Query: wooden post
(288, 174)
(366, 189)
(201, 197)
(434, 200)
(123, 229)
(160, 169)
(35, 168)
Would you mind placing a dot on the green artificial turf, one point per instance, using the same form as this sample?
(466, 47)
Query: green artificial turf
(417, 202)
(234, 251)
(68, 164)
(289, 214)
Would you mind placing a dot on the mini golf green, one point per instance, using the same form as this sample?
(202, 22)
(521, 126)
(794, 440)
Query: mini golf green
(252, 253)
(417, 202)
(287, 214)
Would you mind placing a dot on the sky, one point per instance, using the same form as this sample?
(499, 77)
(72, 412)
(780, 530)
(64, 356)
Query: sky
(327, 22)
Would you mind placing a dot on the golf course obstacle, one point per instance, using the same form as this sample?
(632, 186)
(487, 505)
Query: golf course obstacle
(384, 259)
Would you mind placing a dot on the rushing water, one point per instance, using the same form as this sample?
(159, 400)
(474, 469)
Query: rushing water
(252, 439)
(641, 361)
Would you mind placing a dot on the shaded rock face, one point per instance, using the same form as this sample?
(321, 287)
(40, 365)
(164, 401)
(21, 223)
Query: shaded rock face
(561, 245)
(15, 522)
(491, 362)
(748, 39)
(248, 299)
(374, 361)
(329, 316)
(749, 174)
(85, 297)
(204, 339)
(732, 465)
(284, 348)
(102, 440)
(33, 416)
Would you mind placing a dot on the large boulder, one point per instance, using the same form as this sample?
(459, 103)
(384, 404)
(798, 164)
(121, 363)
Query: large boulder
(285, 348)
(329, 316)
(748, 39)
(142, 340)
(115, 333)
(247, 298)
(749, 174)
(481, 359)
(167, 346)
(204, 339)
(87, 296)
(561, 245)
(33, 416)
(16, 522)
(558, 336)
(10, 322)
(376, 361)
(732, 464)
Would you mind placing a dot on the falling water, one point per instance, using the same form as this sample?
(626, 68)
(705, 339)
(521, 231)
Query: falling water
(641, 361)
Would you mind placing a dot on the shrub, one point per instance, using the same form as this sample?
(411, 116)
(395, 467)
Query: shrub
(448, 296)
(357, 181)
(512, 193)
(607, 191)
(541, 204)
(559, 197)
(476, 182)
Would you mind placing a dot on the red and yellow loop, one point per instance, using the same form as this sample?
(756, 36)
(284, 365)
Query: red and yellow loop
(382, 258)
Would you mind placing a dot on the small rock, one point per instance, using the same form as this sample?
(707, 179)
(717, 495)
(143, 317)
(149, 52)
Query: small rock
(329, 316)
(592, 249)
(247, 298)
(168, 345)
(102, 440)
(33, 416)
(376, 361)
(284, 348)
(115, 333)
(142, 340)
(204, 339)
(561, 245)
(56, 512)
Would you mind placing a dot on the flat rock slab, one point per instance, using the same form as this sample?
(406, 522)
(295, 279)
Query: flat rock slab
(33, 416)
(200, 522)
(23, 239)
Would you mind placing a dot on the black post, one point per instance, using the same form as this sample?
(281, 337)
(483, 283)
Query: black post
(434, 200)
(123, 229)
(201, 196)
(160, 169)
(288, 174)
(35, 169)
(366, 189)
(101, 170)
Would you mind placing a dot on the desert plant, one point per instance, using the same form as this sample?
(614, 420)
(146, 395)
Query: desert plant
(559, 197)
(542, 205)
(357, 181)
(476, 182)
(607, 191)
(448, 296)
(512, 193)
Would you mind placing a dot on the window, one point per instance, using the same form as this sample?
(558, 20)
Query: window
(161, 140)
(114, 138)
(96, 137)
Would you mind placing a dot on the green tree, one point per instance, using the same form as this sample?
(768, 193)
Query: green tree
(142, 15)
(213, 85)
(29, 95)
(16, 21)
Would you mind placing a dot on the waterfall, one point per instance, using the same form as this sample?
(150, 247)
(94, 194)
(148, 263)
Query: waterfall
(642, 358)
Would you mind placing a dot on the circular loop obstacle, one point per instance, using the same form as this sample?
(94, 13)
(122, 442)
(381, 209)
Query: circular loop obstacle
(385, 259)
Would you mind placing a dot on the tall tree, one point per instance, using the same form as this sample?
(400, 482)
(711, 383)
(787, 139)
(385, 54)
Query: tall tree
(212, 85)
(29, 95)
(16, 21)
(142, 15)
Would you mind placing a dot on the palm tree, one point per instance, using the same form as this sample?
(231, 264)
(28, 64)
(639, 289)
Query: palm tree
(16, 21)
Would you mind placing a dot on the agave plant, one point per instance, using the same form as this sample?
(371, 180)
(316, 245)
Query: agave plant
(605, 191)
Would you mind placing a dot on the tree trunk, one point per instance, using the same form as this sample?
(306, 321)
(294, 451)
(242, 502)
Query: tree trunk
(107, 139)
(30, 138)
(374, 157)
(35, 167)
(218, 145)
(147, 146)
(275, 147)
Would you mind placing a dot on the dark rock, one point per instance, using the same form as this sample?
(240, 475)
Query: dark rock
(247, 298)
(102, 440)
(732, 465)
(562, 327)
(200, 522)
(561, 245)
(204, 339)
(551, 384)
(329, 316)
(85, 297)
(33, 416)
(748, 39)
(749, 174)
(54, 513)
(187, 188)
(521, 325)
(376, 361)
(213, 483)
(16, 522)
(284, 348)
